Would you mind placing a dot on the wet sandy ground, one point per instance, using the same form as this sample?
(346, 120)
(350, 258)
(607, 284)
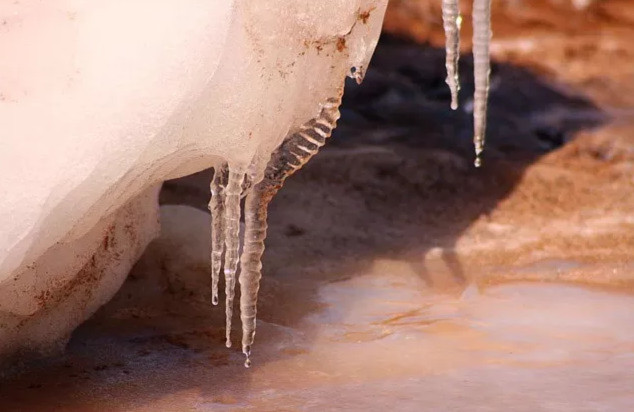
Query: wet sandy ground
(371, 339)
(397, 275)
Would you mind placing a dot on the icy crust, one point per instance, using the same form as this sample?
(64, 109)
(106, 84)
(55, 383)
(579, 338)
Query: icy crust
(47, 299)
(86, 110)
(105, 113)
(95, 111)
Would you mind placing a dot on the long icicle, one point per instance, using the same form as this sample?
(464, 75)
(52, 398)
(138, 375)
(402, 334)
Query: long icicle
(255, 213)
(286, 160)
(451, 22)
(217, 208)
(482, 70)
(232, 242)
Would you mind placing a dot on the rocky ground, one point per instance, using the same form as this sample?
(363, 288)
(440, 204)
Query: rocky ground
(397, 274)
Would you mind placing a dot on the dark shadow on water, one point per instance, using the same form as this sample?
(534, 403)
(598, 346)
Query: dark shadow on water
(395, 182)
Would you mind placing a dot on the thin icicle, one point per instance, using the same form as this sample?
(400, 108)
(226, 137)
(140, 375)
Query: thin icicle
(451, 22)
(232, 242)
(287, 159)
(217, 208)
(481, 68)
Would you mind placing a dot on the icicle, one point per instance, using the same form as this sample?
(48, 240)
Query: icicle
(217, 208)
(251, 263)
(451, 22)
(288, 158)
(481, 68)
(232, 242)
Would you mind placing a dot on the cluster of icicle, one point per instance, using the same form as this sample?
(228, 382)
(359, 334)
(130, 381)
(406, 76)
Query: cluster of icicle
(229, 186)
(481, 65)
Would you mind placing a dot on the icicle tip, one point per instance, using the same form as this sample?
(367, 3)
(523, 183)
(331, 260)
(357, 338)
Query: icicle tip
(246, 349)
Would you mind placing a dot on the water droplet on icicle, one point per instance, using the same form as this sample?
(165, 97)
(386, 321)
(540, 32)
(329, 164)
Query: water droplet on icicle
(247, 353)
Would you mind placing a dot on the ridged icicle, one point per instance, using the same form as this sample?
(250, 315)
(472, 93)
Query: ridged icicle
(482, 69)
(217, 208)
(451, 22)
(293, 153)
(232, 241)
(256, 205)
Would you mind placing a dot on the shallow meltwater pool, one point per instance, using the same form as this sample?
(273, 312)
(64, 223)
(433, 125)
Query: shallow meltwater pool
(380, 344)
(376, 341)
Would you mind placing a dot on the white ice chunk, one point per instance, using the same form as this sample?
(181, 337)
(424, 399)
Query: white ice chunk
(102, 101)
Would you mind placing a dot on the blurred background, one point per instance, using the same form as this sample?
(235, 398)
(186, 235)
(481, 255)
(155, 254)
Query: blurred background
(396, 273)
